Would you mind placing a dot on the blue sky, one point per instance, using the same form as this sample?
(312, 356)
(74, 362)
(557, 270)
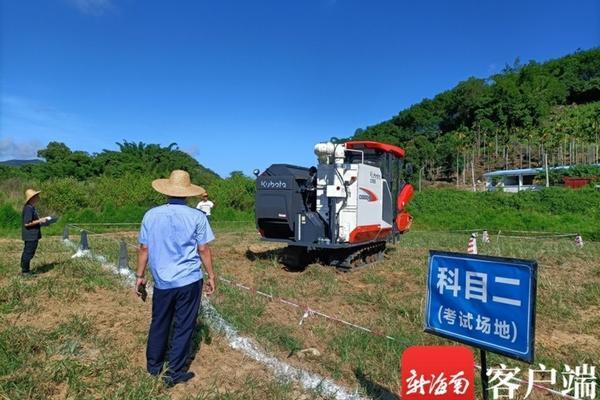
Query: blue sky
(243, 84)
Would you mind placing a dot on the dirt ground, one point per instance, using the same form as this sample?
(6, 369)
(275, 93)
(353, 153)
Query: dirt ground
(123, 318)
(567, 323)
(386, 295)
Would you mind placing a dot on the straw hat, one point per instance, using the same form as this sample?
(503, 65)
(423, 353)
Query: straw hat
(178, 185)
(30, 193)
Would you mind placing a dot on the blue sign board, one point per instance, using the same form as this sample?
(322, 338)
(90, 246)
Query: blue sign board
(482, 301)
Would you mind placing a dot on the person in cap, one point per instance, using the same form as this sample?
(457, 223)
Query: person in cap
(31, 231)
(174, 241)
(205, 205)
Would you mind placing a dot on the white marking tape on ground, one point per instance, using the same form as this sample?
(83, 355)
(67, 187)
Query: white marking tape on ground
(96, 233)
(126, 273)
(282, 370)
(309, 311)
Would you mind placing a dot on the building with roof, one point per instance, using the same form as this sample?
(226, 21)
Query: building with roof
(512, 180)
(515, 180)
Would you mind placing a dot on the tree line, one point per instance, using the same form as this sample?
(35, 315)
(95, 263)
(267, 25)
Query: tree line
(512, 119)
(131, 158)
(116, 184)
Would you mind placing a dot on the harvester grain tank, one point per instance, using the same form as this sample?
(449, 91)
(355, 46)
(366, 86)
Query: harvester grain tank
(341, 213)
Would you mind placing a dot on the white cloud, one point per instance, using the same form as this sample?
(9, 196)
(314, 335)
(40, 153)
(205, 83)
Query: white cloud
(25, 120)
(10, 149)
(492, 69)
(193, 150)
(93, 7)
(22, 115)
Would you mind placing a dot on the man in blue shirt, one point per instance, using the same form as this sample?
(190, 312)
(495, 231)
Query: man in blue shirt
(174, 241)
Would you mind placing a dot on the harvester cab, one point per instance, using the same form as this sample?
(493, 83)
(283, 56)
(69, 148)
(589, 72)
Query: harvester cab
(341, 212)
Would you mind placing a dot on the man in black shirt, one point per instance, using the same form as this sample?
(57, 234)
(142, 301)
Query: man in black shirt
(311, 189)
(31, 231)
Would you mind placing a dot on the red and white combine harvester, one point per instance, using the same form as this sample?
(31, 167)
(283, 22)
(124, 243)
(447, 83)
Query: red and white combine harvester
(341, 213)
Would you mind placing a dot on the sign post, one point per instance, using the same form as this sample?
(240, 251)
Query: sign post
(482, 301)
(484, 377)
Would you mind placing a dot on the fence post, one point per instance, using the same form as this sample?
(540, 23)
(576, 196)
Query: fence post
(123, 256)
(83, 241)
(66, 232)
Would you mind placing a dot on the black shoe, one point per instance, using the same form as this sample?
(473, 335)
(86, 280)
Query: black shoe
(27, 274)
(170, 382)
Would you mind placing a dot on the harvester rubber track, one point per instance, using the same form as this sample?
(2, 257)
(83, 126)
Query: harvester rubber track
(361, 257)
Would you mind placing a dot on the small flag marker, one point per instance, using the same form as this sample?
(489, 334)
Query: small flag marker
(472, 248)
(485, 237)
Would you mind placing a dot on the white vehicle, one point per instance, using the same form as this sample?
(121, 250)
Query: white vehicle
(343, 211)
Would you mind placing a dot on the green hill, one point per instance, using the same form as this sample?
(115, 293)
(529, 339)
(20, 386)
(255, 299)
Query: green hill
(508, 120)
(113, 185)
(131, 158)
(19, 163)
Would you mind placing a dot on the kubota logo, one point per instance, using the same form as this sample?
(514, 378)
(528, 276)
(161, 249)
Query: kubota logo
(369, 195)
(273, 185)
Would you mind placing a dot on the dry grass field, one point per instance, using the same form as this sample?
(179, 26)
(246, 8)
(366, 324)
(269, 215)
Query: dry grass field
(75, 331)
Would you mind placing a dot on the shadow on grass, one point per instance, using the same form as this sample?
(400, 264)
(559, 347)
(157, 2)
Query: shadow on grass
(202, 335)
(373, 389)
(42, 269)
(289, 261)
(291, 258)
(264, 255)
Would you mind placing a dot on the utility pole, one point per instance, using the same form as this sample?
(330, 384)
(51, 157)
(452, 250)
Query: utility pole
(473, 175)
(546, 167)
(457, 173)
(464, 168)
(597, 146)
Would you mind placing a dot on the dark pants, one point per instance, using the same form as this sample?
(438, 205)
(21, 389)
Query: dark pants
(28, 252)
(174, 312)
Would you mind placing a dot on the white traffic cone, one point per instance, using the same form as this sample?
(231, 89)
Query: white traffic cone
(485, 237)
(578, 241)
(472, 249)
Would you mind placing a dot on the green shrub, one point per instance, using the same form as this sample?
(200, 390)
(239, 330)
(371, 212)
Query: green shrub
(126, 198)
(12, 190)
(555, 177)
(64, 194)
(550, 210)
(583, 171)
(124, 191)
(236, 193)
(9, 217)
(231, 214)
